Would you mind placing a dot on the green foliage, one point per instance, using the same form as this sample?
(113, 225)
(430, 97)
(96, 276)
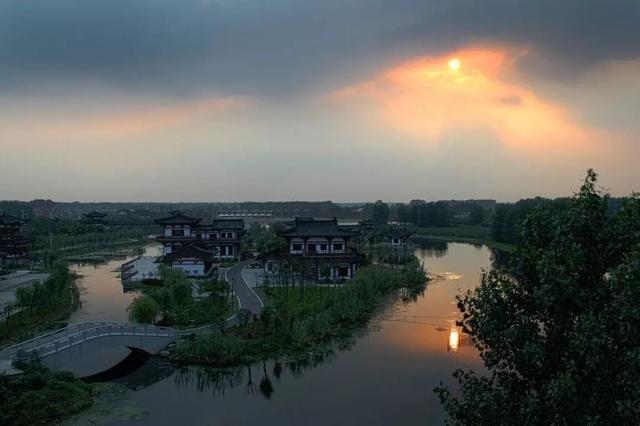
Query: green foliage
(476, 214)
(298, 320)
(559, 335)
(378, 212)
(41, 397)
(38, 304)
(177, 306)
(262, 239)
(508, 217)
(144, 310)
(46, 234)
(422, 213)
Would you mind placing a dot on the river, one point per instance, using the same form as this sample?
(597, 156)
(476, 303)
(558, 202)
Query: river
(386, 376)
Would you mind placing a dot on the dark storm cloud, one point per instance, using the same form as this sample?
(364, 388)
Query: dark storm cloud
(282, 47)
(567, 36)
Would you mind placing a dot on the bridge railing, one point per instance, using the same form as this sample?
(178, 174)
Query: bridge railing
(75, 337)
(50, 336)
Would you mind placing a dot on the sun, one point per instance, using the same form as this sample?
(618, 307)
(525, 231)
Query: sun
(454, 64)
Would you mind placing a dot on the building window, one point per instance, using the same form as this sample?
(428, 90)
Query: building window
(343, 272)
(323, 247)
(337, 247)
(177, 233)
(296, 247)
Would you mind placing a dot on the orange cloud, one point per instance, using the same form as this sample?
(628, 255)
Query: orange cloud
(126, 124)
(427, 96)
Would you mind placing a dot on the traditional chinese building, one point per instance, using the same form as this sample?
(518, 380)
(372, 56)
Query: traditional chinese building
(398, 242)
(398, 237)
(191, 245)
(194, 259)
(13, 245)
(93, 218)
(321, 245)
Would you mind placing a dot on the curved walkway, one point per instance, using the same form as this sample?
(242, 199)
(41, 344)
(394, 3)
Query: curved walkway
(249, 299)
(148, 337)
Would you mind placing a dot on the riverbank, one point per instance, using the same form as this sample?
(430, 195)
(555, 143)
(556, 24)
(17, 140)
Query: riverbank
(41, 308)
(297, 320)
(95, 251)
(472, 234)
(41, 397)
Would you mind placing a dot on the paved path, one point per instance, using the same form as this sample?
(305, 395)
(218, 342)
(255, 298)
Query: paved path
(249, 299)
(11, 282)
(253, 277)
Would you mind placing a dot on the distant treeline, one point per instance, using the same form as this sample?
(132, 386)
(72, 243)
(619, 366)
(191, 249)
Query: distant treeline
(44, 233)
(146, 212)
(509, 216)
(503, 218)
(431, 213)
(425, 213)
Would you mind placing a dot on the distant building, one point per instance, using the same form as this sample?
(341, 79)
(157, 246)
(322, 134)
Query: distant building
(144, 214)
(13, 245)
(398, 237)
(324, 245)
(195, 247)
(93, 218)
(42, 208)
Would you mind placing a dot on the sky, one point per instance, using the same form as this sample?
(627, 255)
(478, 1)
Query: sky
(344, 100)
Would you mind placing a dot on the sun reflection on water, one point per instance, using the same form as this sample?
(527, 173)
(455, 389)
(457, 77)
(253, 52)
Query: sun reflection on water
(454, 340)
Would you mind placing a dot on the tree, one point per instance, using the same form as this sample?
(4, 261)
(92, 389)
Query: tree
(403, 213)
(560, 334)
(476, 214)
(421, 213)
(145, 310)
(380, 212)
(177, 283)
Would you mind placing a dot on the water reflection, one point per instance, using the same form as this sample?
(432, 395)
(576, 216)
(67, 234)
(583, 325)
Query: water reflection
(454, 339)
(260, 377)
(432, 248)
(102, 299)
(137, 371)
(384, 375)
(101, 294)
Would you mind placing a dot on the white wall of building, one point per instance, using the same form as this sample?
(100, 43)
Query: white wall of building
(194, 268)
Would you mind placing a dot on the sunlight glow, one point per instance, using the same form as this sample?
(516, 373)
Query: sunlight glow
(454, 339)
(421, 98)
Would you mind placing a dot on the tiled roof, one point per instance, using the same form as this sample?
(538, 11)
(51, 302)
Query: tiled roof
(228, 223)
(399, 232)
(190, 251)
(6, 219)
(178, 218)
(311, 227)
